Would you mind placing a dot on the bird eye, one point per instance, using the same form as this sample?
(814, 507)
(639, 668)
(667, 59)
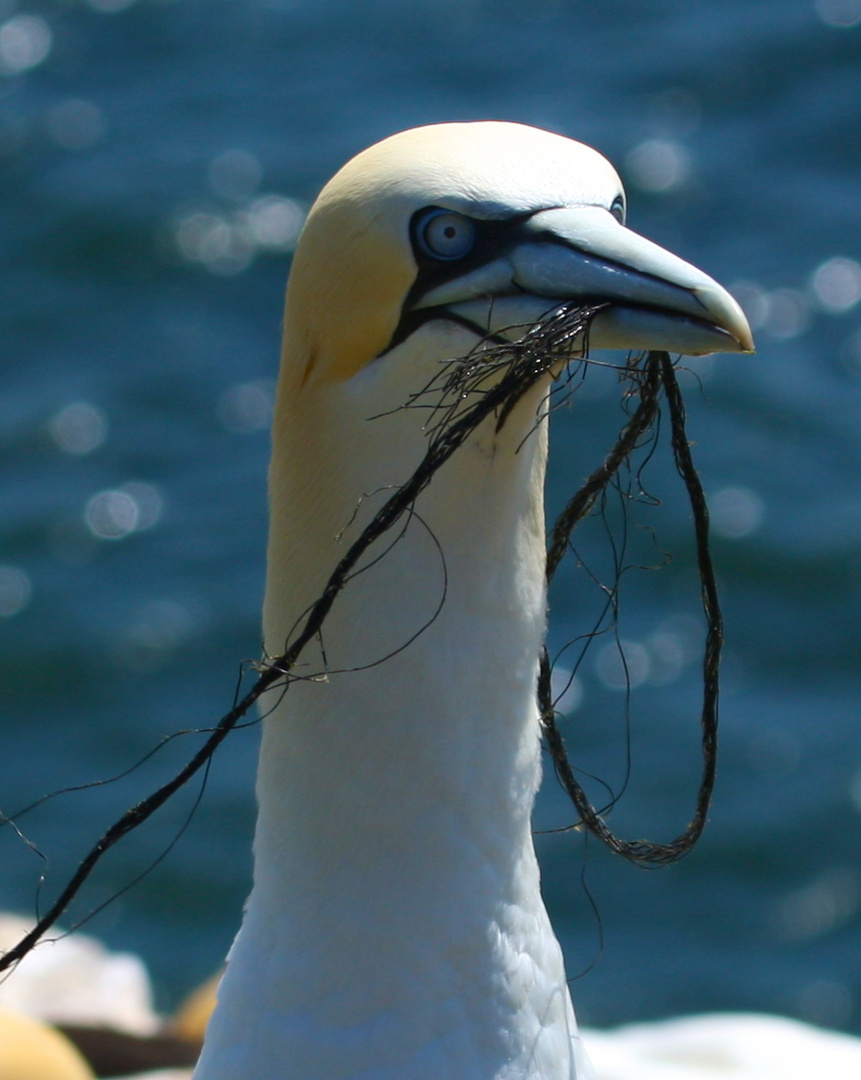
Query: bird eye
(618, 209)
(443, 234)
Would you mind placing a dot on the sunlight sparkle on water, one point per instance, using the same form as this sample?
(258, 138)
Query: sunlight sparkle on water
(15, 591)
(736, 512)
(788, 313)
(754, 302)
(850, 354)
(567, 690)
(275, 222)
(226, 243)
(214, 241)
(247, 407)
(828, 902)
(76, 124)
(157, 630)
(119, 512)
(235, 175)
(623, 664)
(827, 1002)
(79, 428)
(658, 659)
(783, 313)
(25, 41)
(149, 502)
(836, 284)
(839, 13)
(659, 165)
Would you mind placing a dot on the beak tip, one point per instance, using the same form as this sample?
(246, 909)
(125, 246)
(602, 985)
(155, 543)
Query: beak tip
(746, 345)
(742, 333)
(742, 345)
(727, 314)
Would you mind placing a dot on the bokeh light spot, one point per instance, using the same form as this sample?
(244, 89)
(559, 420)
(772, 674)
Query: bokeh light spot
(836, 284)
(111, 515)
(115, 514)
(25, 41)
(623, 664)
(827, 903)
(148, 500)
(567, 690)
(839, 13)
(754, 302)
(161, 624)
(75, 124)
(275, 222)
(826, 1002)
(215, 242)
(850, 354)
(158, 629)
(15, 591)
(736, 512)
(235, 175)
(247, 407)
(667, 657)
(659, 165)
(788, 313)
(79, 428)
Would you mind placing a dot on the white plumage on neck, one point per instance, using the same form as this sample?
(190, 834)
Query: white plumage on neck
(396, 927)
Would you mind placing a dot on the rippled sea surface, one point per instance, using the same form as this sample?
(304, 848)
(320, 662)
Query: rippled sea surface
(156, 160)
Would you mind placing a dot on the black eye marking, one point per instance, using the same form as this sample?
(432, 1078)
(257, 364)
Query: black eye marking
(617, 209)
(444, 234)
(449, 245)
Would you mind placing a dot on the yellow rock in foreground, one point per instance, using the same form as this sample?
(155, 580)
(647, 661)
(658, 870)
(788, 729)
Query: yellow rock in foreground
(30, 1050)
(193, 1014)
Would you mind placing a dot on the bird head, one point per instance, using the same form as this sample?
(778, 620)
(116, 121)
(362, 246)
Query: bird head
(486, 226)
(416, 252)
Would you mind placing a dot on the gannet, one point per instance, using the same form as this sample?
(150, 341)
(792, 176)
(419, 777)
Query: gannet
(395, 929)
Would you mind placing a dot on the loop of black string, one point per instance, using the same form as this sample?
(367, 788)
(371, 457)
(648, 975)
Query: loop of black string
(659, 373)
(523, 364)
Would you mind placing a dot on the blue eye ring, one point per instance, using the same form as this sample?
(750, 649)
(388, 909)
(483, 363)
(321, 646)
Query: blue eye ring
(445, 235)
(617, 209)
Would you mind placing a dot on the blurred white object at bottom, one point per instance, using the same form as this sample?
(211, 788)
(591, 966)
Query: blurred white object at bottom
(724, 1046)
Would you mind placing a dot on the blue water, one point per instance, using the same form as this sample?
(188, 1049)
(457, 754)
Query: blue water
(155, 158)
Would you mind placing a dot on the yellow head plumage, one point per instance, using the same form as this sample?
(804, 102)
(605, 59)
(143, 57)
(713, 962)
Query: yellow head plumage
(354, 264)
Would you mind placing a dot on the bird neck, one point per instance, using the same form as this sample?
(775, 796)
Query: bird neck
(396, 926)
(412, 721)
